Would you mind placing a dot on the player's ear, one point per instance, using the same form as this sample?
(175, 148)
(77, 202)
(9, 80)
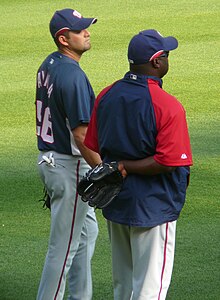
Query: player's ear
(62, 40)
(156, 63)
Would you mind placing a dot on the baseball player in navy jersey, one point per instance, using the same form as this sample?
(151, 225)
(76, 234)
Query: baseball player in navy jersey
(138, 124)
(64, 101)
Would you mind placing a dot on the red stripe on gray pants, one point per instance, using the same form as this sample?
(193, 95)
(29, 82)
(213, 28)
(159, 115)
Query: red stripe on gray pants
(71, 233)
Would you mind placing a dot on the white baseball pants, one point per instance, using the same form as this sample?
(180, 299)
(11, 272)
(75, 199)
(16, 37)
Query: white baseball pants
(142, 260)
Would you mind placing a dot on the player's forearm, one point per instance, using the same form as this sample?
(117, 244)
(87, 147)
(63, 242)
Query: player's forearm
(91, 157)
(146, 166)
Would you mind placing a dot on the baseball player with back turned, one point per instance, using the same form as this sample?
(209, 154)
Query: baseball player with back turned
(136, 123)
(64, 100)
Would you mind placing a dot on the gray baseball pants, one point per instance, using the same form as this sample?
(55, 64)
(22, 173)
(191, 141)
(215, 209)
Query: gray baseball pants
(73, 230)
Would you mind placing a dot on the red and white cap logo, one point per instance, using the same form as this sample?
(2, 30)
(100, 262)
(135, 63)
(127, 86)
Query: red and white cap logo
(77, 14)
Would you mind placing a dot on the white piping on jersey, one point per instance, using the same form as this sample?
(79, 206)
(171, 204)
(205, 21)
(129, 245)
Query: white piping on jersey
(74, 148)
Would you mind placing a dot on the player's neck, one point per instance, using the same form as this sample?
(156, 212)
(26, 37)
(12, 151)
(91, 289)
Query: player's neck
(71, 54)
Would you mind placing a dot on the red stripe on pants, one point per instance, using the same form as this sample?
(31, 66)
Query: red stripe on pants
(71, 233)
(164, 260)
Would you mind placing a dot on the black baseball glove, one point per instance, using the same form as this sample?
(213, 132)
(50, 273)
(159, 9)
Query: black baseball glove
(101, 185)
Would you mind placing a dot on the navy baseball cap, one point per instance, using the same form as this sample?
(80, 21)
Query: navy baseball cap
(149, 44)
(68, 19)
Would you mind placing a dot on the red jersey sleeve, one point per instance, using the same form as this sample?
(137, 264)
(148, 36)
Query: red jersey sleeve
(172, 142)
(91, 139)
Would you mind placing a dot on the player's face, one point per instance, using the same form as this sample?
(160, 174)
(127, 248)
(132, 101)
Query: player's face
(164, 64)
(79, 41)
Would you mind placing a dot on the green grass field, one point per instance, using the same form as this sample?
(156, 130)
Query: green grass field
(193, 78)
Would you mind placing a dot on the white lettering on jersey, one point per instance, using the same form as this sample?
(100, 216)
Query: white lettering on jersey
(49, 91)
(40, 79)
(43, 81)
(46, 81)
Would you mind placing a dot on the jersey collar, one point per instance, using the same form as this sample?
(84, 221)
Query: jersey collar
(142, 78)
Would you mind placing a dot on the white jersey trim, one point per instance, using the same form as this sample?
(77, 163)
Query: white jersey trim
(74, 148)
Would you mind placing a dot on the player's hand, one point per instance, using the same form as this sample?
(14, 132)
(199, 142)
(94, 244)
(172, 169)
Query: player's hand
(121, 168)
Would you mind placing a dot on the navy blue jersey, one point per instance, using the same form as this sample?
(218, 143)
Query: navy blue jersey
(133, 119)
(64, 101)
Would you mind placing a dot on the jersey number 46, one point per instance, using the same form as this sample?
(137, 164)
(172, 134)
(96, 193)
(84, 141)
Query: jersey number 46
(44, 125)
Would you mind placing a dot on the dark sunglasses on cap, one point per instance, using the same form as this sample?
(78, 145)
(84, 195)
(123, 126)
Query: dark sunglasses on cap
(164, 54)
